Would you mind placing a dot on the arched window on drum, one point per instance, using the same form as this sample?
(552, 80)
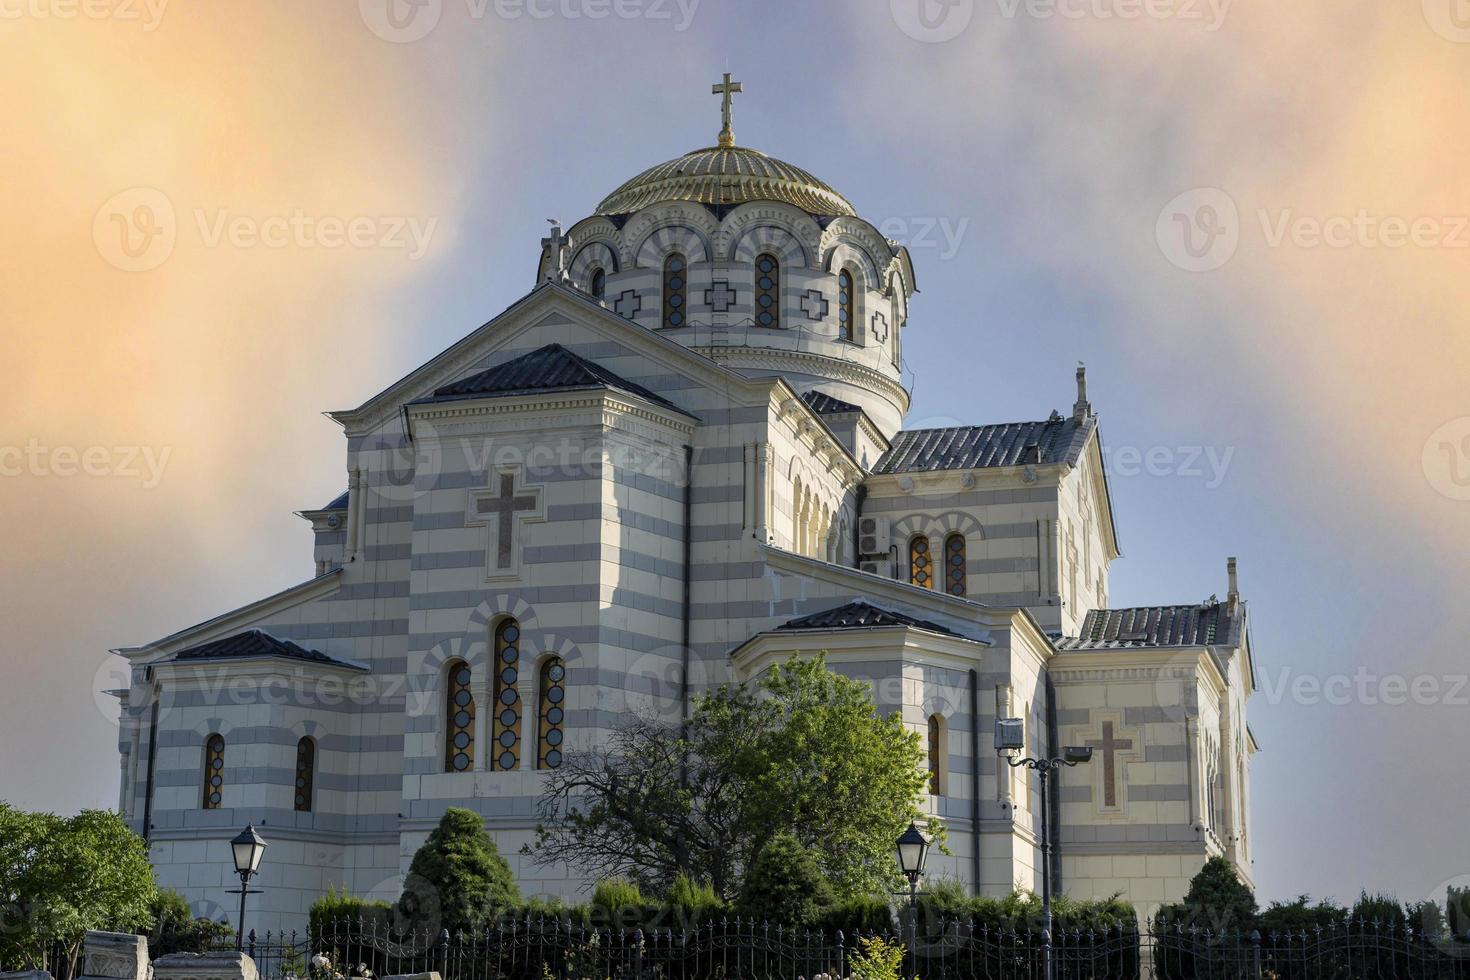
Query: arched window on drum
(551, 730)
(214, 772)
(505, 748)
(676, 290)
(459, 716)
(767, 291)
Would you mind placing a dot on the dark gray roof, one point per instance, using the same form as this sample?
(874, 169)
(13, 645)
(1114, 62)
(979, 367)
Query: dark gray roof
(824, 404)
(251, 644)
(1206, 624)
(339, 502)
(969, 447)
(550, 368)
(860, 615)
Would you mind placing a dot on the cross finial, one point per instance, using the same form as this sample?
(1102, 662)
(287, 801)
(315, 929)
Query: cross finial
(727, 90)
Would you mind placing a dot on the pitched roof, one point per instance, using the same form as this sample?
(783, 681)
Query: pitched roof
(1209, 623)
(860, 615)
(968, 447)
(550, 368)
(252, 644)
(824, 404)
(339, 502)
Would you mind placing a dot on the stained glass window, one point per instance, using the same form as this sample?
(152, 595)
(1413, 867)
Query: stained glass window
(459, 729)
(954, 564)
(767, 291)
(599, 283)
(921, 563)
(214, 771)
(936, 750)
(553, 714)
(846, 308)
(305, 770)
(506, 749)
(676, 290)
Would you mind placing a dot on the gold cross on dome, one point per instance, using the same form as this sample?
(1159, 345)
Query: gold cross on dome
(727, 90)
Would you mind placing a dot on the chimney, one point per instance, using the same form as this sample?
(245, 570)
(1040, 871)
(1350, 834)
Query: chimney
(1234, 592)
(1031, 453)
(1082, 410)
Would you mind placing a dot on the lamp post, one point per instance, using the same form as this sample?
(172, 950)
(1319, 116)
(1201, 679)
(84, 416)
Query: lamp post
(246, 848)
(1010, 736)
(913, 851)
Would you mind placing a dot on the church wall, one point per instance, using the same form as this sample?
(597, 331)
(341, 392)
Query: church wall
(1083, 556)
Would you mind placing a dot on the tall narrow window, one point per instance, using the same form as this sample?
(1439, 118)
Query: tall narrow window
(676, 290)
(921, 563)
(305, 772)
(767, 291)
(599, 283)
(507, 697)
(954, 564)
(552, 727)
(936, 754)
(846, 308)
(214, 771)
(459, 714)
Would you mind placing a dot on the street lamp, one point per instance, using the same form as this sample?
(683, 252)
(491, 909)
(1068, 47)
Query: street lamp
(913, 851)
(1010, 736)
(247, 848)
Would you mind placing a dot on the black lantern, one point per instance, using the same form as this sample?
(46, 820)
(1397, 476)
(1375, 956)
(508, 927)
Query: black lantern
(913, 851)
(247, 847)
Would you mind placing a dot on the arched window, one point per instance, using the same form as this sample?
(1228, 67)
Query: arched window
(921, 563)
(459, 715)
(305, 771)
(936, 755)
(552, 728)
(846, 306)
(676, 290)
(767, 291)
(954, 564)
(507, 745)
(214, 771)
(599, 283)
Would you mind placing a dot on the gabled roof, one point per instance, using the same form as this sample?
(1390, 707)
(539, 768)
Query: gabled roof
(253, 644)
(1209, 623)
(968, 447)
(550, 368)
(339, 502)
(825, 404)
(861, 615)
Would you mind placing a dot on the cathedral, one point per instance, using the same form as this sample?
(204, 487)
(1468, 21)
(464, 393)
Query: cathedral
(678, 459)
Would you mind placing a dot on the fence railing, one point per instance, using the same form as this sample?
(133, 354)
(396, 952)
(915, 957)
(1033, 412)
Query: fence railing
(741, 949)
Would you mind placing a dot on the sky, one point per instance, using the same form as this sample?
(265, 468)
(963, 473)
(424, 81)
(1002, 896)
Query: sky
(1248, 218)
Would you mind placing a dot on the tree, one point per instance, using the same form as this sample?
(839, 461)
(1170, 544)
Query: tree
(61, 876)
(1217, 900)
(457, 880)
(175, 929)
(802, 751)
(785, 885)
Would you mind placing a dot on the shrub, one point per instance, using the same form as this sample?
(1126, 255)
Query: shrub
(690, 903)
(785, 885)
(1301, 915)
(457, 881)
(619, 903)
(1457, 912)
(1383, 910)
(877, 959)
(861, 914)
(1217, 900)
(175, 929)
(339, 911)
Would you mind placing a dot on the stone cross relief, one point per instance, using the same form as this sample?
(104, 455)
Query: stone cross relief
(880, 328)
(1111, 746)
(814, 304)
(628, 304)
(498, 510)
(719, 297)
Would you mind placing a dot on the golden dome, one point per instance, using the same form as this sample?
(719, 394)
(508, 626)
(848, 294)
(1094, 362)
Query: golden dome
(725, 175)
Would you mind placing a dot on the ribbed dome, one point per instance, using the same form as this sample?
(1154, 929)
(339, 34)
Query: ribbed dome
(726, 175)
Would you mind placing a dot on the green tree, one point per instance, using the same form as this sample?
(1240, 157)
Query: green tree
(803, 750)
(785, 885)
(175, 929)
(457, 880)
(1217, 900)
(61, 876)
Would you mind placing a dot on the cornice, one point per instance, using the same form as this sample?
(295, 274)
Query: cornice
(910, 644)
(608, 409)
(802, 362)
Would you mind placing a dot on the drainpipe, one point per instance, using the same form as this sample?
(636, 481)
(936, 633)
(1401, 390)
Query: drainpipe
(975, 775)
(1055, 803)
(688, 589)
(152, 756)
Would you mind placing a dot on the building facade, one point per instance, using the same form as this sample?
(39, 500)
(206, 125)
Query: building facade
(678, 459)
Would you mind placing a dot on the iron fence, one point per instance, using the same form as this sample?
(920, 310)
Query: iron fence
(525, 948)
